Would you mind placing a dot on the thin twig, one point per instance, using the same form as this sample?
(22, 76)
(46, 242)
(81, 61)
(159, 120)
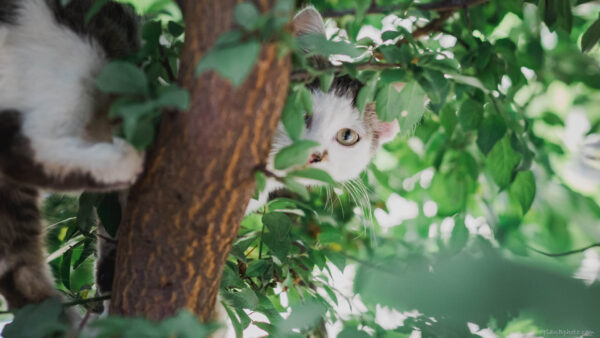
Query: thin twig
(107, 239)
(566, 253)
(433, 26)
(301, 75)
(87, 300)
(439, 6)
(263, 169)
(85, 320)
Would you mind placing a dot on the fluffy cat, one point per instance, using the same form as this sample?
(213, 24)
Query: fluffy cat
(347, 140)
(54, 130)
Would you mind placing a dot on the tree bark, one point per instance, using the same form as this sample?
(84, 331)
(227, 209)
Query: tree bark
(183, 215)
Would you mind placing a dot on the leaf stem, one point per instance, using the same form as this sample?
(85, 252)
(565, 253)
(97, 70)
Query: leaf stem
(438, 6)
(566, 253)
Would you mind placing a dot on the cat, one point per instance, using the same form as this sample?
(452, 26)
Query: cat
(348, 142)
(347, 139)
(55, 133)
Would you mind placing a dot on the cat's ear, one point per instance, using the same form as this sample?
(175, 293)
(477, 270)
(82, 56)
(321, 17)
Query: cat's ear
(387, 131)
(308, 21)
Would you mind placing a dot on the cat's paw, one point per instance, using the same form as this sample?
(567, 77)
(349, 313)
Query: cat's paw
(128, 166)
(34, 283)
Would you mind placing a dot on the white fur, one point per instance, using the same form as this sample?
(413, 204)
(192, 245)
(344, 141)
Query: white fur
(331, 113)
(4, 266)
(47, 73)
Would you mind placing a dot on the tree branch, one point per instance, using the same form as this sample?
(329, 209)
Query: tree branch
(299, 76)
(433, 26)
(566, 253)
(446, 9)
(438, 6)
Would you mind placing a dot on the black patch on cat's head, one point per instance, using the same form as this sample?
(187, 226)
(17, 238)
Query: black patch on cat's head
(115, 27)
(8, 11)
(341, 86)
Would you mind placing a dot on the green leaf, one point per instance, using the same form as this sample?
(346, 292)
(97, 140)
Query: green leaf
(338, 259)
(119, 77)
(470, 114)
(408, 105)
(314, 174)
(245, 299)
(86, 217)
(352, 332)
(89, 248)
(95, 9)
(591, 37)
(395, 54)
(143, 135)
(325, 81)
(257, 268)
(37, 320)
(306, 98)
(387, 103)
(502, 161)
(65, 269)
(109, 212)
(185, 325)
(261, 181)
(278, 237)
(491, 130)
(294, 154)
(460, 235)
(175, 28)
(174, 97)
(393, 75)
(232, 62)
(361, 8)
(277, 223)
(297, 188)
(448, 118)
(366, 95)
(523, 189)
(246, 15)
(304, 316)
(450, 191)
(292, 116)
(317, 43)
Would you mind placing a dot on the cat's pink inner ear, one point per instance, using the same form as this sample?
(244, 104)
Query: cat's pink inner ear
(387, 131)
(308, 21)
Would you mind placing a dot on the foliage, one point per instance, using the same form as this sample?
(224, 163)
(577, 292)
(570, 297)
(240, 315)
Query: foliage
(487, 169)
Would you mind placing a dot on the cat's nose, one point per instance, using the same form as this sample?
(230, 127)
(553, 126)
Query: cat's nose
(317, 157)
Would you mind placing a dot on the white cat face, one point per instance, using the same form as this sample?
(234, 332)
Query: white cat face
(347, 141)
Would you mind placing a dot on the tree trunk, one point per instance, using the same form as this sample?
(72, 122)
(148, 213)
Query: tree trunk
(184, 213)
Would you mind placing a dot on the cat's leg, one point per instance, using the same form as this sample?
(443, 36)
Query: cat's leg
(61, 161)
(24, 275)
(107, 255)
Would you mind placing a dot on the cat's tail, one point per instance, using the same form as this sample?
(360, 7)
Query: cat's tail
(24, 275)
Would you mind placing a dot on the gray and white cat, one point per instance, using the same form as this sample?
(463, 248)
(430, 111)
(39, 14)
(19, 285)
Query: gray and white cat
(54, 130)
(54, 133)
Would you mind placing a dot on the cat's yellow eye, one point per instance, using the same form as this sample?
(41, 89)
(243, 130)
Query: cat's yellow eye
(347, 137)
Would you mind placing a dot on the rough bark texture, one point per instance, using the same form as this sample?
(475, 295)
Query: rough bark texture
(184, 213)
